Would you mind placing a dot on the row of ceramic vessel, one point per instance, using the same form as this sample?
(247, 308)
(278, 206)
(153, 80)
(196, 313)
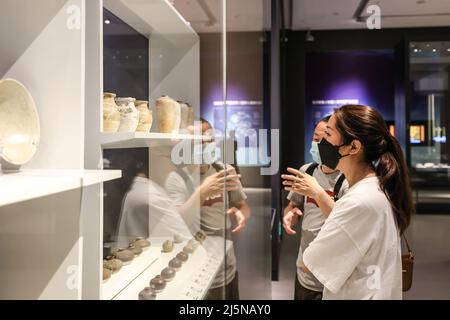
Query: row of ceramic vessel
(123, 256)
(131, 115)
(158, 283)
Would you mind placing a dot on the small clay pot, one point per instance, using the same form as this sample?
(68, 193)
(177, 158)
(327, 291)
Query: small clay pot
(106, 274)
(193, 243)
(114, 265)
(129, 115)
(188, 249)
(200, 236)
(135, 249)
(147, 294)
(182, 256)
(168, 114)
(168, 274)
(175, 264)
(157, 284)
(145, 116)
(177, 238)
(141, 242)
(111, 114)
(167, 246)
(124, 255)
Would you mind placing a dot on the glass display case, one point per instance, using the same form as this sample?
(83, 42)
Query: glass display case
(429, 70)
(164, 224)
(180, 193)
(134, 190)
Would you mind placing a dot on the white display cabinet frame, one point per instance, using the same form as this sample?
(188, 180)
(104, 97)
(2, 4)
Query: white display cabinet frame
(51, 213)
(174, 62)
(45, 207)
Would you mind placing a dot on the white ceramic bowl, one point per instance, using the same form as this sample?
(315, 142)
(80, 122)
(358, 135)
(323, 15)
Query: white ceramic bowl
(19, 125)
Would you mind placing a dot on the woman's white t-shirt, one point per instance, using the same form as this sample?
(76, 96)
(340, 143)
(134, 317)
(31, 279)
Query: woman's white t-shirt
(357, 253)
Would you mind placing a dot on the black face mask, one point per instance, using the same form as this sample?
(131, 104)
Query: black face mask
(330, 154)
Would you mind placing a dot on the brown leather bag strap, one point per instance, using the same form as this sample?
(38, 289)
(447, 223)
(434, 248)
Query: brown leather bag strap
(407, 245)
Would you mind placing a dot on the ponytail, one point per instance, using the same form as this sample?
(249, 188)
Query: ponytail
(395, 182)
(358, 122)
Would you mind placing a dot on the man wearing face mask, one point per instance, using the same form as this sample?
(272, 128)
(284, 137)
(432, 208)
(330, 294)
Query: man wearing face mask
(316, 176)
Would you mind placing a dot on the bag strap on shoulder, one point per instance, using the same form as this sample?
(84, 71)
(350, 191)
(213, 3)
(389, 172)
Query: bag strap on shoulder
(338, 186)
(407, 246)
(311, 168)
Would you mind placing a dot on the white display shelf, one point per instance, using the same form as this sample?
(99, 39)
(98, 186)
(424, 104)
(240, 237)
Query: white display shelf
(128, 273)
(194, 278)
(31, 184)
(143, 139)
(153, 16)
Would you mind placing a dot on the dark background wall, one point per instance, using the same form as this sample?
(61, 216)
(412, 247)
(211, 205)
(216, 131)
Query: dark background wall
(244, 68)
(295, 54)
(245, 81)
(125, 59)
(366, 76)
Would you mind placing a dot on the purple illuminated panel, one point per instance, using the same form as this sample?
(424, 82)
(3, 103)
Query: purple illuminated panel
(341, 77)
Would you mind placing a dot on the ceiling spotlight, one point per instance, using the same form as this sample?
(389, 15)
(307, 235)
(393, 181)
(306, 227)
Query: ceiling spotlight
(309, 37)
(428, 45)
(107, 21)
(448, 50)
(434, 50)
(416, 50)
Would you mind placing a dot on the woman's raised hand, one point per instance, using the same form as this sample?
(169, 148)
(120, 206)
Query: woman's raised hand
(301, 183)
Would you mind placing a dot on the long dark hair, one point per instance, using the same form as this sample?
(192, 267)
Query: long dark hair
(358, 122)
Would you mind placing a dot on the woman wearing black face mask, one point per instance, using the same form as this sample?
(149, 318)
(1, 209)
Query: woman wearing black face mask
(357, 253)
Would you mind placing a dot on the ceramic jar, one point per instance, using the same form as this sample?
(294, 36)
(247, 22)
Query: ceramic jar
(200, 236)
(168, 274)
(188, 249)
(157, 284)
(190, 117)
(135, 249)
(177, 238)
(141, 242)
(167, 246)
(106, 274)
(147, 294)
(145, 116)
(124, 255)
(184, 114)
(129, 115)
(114, 265)
(182, 256)
(193, 243)
(111, 114)
(168, 115)
(175, 264)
